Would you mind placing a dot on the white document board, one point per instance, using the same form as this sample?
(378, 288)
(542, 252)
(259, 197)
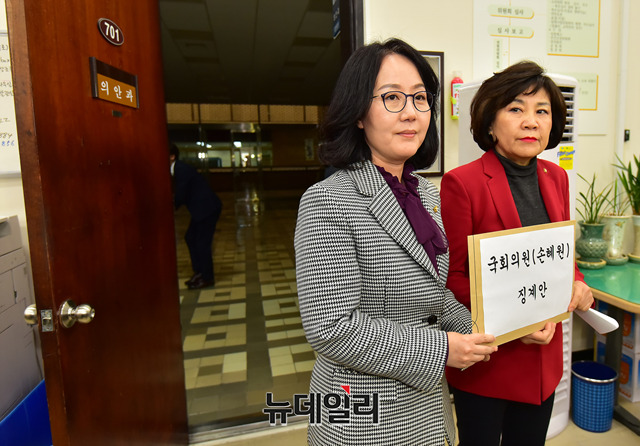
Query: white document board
(521, 278)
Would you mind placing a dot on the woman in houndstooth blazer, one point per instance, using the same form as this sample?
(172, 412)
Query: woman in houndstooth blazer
(372, 262)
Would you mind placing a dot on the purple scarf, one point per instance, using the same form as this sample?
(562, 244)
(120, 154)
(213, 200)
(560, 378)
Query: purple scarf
(427, 231)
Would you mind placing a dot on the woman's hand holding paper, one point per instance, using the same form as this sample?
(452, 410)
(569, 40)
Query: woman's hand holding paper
(466, 350)
(542, 337)
(581, 297)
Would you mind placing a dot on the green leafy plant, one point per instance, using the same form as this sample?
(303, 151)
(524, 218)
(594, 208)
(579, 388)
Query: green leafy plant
(618, 204)
(592, 202)
(630, 181)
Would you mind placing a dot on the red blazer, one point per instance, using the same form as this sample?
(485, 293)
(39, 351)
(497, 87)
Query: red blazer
(476, 198)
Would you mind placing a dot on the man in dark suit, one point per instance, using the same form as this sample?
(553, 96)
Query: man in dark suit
(194, 191)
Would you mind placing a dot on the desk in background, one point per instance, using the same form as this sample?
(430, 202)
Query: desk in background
(619, 286)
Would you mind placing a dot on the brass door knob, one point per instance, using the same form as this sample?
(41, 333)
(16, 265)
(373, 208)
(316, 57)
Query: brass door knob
(31, 315)
(70, 313)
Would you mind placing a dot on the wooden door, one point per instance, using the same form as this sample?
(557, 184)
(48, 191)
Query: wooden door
(100, 220)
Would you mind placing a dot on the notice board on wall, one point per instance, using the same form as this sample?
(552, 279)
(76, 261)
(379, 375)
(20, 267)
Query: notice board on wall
(9, 155)
(521, 278)
(568, 37)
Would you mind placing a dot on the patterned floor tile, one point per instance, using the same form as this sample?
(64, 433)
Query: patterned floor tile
(243, 337)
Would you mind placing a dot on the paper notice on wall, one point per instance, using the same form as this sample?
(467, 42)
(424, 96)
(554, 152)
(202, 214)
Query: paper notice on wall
(563, 36)
(9, 155)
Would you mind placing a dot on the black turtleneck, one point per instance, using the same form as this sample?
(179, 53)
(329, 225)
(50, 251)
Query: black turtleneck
(523, 182)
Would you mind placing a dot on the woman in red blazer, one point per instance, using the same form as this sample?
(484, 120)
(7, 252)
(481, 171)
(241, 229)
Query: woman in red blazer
(515, 115)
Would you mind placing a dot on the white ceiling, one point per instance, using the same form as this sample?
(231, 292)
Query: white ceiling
(249, 51)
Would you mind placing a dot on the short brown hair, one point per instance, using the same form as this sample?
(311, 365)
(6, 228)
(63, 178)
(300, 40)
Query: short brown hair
(502, 88)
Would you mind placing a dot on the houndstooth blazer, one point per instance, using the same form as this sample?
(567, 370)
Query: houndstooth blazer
(375, 310)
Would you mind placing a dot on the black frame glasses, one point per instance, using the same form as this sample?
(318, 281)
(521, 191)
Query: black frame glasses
(388, 100)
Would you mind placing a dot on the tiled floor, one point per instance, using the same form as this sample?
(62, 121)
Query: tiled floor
(243, 337)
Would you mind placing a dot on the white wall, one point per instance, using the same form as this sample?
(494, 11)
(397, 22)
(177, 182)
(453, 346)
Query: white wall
(632, 108)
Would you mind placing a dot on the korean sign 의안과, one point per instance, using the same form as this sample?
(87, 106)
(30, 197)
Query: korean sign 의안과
(112, 84)
(521, 278)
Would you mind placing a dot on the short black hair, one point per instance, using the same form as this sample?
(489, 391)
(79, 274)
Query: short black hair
(502, 88)
(342, 142)
(173, 150)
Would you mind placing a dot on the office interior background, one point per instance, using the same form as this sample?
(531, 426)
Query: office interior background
(257, 143)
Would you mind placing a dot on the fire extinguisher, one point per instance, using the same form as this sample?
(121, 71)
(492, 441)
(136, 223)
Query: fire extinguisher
(456, 83)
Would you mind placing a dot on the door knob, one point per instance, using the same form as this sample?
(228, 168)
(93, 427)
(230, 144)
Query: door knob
(46, 316)
(31, 315)
(70, 313)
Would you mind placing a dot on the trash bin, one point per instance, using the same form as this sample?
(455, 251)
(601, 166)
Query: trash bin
(594, 386)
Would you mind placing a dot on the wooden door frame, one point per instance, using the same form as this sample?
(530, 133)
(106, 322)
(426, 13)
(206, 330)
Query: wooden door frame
(351, 27)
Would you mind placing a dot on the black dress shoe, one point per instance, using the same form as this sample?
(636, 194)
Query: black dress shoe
(201, 283)
(195, 277)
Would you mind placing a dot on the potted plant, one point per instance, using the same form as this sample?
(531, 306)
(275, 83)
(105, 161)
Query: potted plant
(615, 222)
(628, 176)
(591, 246)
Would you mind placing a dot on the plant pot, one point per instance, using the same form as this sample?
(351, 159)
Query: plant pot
(591, 246)
(635, 255)
(613, 234)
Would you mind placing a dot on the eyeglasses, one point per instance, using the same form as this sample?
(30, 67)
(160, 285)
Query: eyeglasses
(395, 101)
